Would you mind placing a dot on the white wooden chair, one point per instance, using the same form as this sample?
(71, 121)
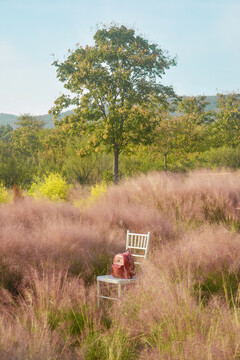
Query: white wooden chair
(138, 245)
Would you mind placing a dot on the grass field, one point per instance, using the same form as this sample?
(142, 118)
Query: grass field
(186, 302)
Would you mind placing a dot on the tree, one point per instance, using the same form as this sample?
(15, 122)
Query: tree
(20, 156)
(27, 138)
(195, 121)
(226, 128)
(168, 135)
(114, 83)
(183, 129)
(195, 108)
(5, 132)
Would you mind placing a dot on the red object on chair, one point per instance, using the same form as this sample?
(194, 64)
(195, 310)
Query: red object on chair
(123, 266)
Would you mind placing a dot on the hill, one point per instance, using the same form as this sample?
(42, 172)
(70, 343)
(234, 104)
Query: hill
(8, 119)
(11, 119)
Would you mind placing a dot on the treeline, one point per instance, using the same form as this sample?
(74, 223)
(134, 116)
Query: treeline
(187, 136)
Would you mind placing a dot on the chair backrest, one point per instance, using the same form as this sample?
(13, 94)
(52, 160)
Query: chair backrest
(138, 245)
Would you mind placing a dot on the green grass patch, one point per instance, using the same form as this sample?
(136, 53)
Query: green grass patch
(222, 283)
(115, 344)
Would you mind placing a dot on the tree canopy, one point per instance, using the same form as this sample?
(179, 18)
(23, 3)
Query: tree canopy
(226, 128)
(113, 83)
(26, 138)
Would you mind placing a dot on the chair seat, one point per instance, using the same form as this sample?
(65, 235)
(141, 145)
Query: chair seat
(113, 280)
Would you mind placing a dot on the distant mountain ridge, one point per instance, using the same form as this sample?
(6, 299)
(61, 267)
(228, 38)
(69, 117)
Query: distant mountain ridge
(10, 119)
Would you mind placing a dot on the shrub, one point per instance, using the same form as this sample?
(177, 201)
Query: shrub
(53, 187)
(97, 191)
(223, 157)
(4, 196)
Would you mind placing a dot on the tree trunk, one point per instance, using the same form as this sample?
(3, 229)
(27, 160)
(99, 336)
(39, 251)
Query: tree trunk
(115, 165)
(165, 162)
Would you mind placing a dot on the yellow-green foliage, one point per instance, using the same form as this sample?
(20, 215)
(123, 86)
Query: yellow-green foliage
(97, 191)
(53, 187)
(4, 196)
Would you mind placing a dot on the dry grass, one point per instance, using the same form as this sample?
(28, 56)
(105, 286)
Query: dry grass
(186, 302)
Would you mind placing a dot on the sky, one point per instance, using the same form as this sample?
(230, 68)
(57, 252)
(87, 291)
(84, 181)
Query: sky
(204, 35)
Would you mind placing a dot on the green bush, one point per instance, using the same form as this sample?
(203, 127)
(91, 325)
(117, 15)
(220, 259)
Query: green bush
(53, 187)
(224, 157)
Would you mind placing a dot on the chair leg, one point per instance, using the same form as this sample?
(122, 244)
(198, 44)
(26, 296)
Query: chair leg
(119, 291)
(98, 293)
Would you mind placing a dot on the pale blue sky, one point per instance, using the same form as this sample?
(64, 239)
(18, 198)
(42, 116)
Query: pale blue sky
(203, 34)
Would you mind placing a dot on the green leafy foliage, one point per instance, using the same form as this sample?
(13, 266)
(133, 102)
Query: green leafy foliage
(27, 137)
(226, 128)
(225, 156)
(5, 132)
(114, 82)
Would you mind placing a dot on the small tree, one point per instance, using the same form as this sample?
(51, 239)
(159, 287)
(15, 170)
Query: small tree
(168, 135)
(27, 137)
(114, 82)
(183, 129)
(195, 120)
(5, 132)
(226, 128)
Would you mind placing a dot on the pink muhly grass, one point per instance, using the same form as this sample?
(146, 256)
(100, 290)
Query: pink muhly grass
(24, 337)
(36, 234)
(165, 203)
(50, 255)
(202, 251)
(133, 217)
(50, 305)
(52, 288)
(162, 313)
